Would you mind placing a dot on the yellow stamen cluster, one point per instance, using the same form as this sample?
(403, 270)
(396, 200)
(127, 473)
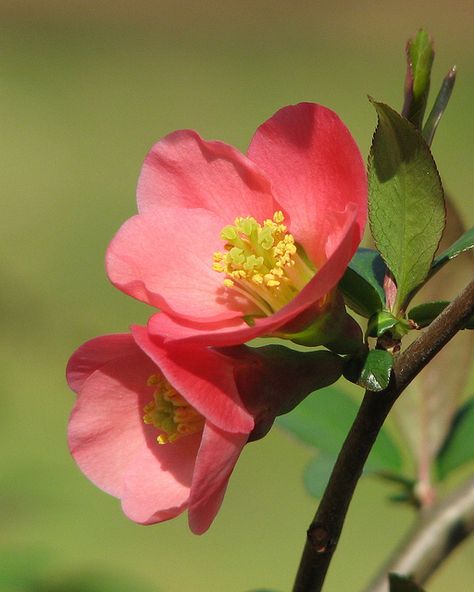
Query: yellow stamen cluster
(170, 412)
(261, 261)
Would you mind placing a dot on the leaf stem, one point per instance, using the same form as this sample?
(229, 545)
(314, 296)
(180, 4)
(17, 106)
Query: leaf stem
(325, 529)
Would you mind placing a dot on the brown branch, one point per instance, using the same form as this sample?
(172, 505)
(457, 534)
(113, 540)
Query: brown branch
(325, 529)
(434, 537)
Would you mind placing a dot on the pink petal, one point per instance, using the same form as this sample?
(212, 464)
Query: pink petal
(105, 429)
(165, 258)
(316, 170)
(235, 332)
(173, 330)
(183, 170)
(114, 448)
(95, 353)
(157, 491)
(215, 462)
(204, 378)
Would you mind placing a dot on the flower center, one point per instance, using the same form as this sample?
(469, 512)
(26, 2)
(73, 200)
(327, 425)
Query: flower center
(263, 262)
(170, 412)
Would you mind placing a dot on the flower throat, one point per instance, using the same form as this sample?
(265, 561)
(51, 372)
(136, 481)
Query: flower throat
(263, 262)
(170, 412)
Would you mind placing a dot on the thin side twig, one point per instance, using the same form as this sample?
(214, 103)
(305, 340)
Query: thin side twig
(433, 538)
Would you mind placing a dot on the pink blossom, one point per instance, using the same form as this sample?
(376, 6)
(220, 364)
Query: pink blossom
(118, 449)
(161, 427)
(230, 247)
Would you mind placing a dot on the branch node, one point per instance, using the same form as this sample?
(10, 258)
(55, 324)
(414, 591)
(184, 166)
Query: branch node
(319, 538)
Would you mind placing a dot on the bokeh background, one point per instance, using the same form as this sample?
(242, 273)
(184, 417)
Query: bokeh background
(86, 87)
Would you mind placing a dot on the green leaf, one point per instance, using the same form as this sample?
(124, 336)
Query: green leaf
(317, 473)
(425, 413)
(458, 448)
(322, 421)
(406, 202)
(380, 323)
(384, 456)
(464, 243)
(372, 372)
(424, 314)
(406, 493)
(362, 283)
(376, 370)
(420, 57)
(402, 584)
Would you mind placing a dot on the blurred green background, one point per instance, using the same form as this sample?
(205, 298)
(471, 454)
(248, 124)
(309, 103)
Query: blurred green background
(85, 88)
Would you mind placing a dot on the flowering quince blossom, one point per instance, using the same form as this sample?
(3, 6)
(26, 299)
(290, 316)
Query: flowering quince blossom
(131, 397)
(161, 428)
(230, 247)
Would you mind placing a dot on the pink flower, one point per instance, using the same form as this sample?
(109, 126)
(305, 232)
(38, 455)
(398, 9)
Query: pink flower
(162, 427)
(128, 388)
(230, 247)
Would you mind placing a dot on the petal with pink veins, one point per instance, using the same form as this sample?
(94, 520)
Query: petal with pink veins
(183, 170)
(315, 168)
(95, 353)
(165, 258)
